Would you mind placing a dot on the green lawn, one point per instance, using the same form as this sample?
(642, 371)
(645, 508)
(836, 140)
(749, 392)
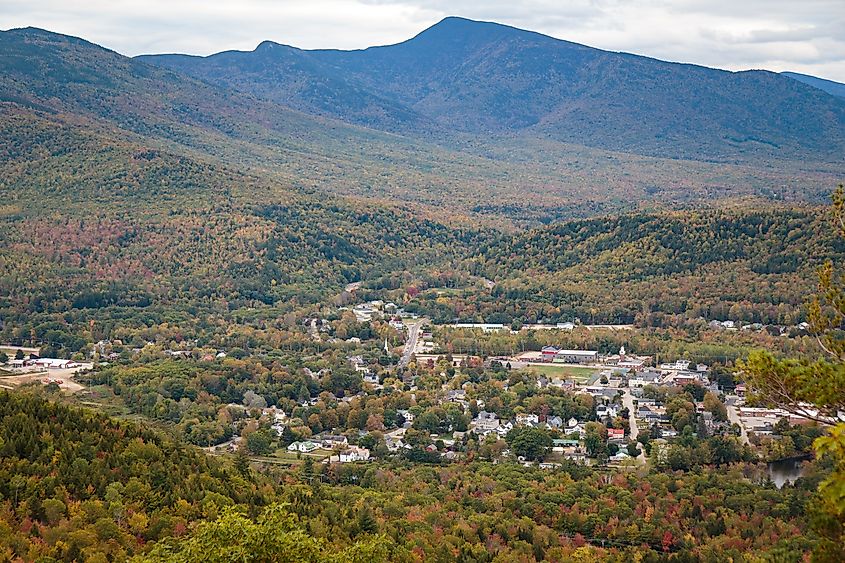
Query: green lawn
(564, 372)
(284, 455)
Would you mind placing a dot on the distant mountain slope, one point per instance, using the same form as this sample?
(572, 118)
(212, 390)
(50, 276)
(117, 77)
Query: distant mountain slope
(485, 78)
(297, 79)
(829, 86)
(503, 178)
(90, 221)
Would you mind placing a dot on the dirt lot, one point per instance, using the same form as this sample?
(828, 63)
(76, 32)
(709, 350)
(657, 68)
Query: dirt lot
(44, 376)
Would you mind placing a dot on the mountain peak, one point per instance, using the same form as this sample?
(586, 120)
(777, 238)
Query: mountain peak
(463, 28)
(483, 77)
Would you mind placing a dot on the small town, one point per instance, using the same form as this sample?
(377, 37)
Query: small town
(546, 407)
(406, 281)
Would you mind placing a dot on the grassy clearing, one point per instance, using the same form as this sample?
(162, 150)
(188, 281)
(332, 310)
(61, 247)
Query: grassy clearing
(564, 372)
(282, 454)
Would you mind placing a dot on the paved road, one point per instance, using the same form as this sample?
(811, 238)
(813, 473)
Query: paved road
(634, 430)
(411, 343)
(733, 416)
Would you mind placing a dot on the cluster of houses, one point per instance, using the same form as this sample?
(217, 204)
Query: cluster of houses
(344, 453)
(104, 350)
(570, 448)
(367, 374)
(762, 421)
(378, 309)
(776, 329)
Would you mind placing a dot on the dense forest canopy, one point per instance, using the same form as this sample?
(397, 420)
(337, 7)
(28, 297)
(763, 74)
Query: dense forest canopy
(77, 485)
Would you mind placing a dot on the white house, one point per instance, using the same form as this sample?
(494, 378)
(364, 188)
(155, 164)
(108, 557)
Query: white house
(604, 411)
(527, 419)
(485, 423)
(354, 453)
(573, 426)
(680, 365)
(407, 415)
(303, 447)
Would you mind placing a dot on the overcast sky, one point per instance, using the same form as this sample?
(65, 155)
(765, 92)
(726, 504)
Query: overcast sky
(800, 35)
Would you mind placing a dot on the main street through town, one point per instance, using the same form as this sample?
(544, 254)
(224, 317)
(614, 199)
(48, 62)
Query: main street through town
(411, 344)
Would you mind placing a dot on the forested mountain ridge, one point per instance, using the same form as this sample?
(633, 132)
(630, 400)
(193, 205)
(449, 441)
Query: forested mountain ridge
(829, 86)
(676, 242)
(483, 77)
(744, 264)
(93, 223)
(491, 177)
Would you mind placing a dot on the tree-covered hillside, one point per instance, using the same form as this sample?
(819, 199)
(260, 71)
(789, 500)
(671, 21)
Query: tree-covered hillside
(92, 223)
(80, 487)
(74, 483)
(742, 264)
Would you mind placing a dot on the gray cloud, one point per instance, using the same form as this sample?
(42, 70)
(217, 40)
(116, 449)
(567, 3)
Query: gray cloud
(803, 36)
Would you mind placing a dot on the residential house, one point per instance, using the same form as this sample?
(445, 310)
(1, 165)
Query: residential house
(503, 429)
(353, 454)
(332, 441)
(527, 419)
(645, 378)
(615, 435)
(485, 423)
(554, 422)
(575, 427)
(457, 396)
(407, 415)
(619, 457)
(605, 411)
(303, 447)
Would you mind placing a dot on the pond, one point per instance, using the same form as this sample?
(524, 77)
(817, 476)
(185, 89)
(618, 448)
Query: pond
(785, 471)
